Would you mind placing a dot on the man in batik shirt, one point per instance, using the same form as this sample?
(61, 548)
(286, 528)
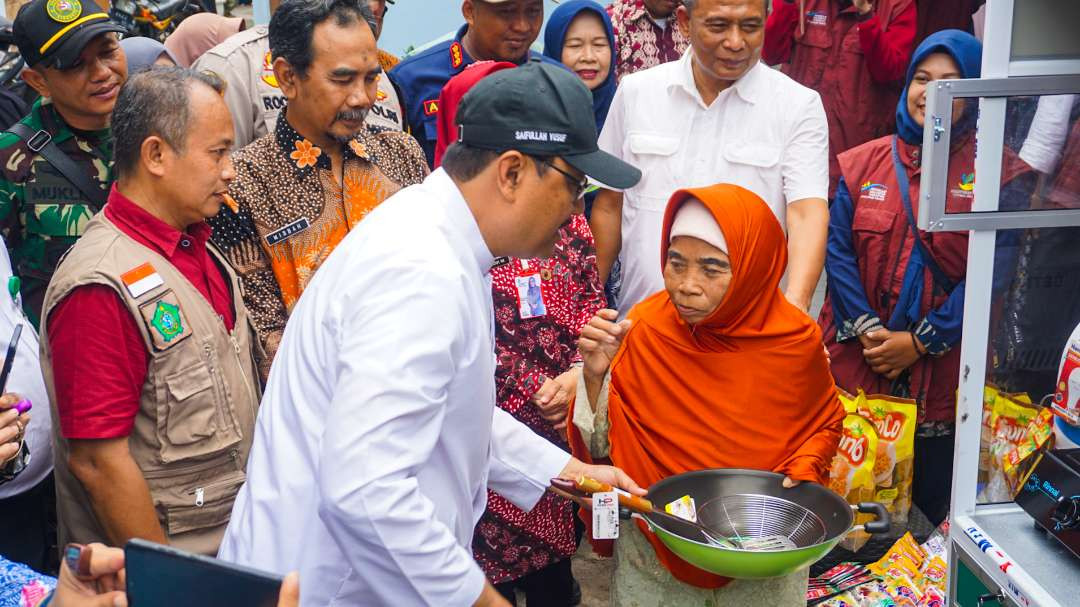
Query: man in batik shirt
(646, 34)
(301, 188)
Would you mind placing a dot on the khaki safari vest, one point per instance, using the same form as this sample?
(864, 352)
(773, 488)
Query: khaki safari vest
(196, 416)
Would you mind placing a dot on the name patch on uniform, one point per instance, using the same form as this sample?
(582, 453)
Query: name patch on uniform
(457, 55)
(288, 231)
(540, 136)
(141, 280)
(274, 102)
(431, 107)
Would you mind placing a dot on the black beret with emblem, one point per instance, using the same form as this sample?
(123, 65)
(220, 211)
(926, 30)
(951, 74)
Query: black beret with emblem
(53, 33)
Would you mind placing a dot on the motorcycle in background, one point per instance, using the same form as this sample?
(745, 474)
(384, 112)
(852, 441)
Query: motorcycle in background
(153, 18)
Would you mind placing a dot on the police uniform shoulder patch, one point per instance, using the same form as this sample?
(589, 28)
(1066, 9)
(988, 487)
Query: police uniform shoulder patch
(63, 11)
(268, 70)
(457, 55)
(164, 320)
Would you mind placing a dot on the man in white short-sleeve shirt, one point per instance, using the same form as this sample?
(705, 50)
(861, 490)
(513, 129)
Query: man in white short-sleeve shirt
(717, 115)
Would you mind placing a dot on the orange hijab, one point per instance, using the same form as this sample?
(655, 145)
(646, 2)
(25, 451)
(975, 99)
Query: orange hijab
(749, 387)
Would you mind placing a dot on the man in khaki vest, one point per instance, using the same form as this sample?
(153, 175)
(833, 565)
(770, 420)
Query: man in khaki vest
(147, 349)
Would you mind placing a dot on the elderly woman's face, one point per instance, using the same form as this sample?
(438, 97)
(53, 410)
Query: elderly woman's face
(697, 276)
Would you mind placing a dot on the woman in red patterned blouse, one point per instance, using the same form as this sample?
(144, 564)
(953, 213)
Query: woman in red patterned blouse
(535, 378)
(540, 307)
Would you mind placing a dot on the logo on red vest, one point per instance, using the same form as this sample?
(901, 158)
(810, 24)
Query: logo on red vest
(431, 107)
(817, 18)
(457, 55)
(873, 191)
(966, 187)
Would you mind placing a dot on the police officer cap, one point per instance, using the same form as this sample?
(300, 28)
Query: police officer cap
(53, 33)
(541, 110)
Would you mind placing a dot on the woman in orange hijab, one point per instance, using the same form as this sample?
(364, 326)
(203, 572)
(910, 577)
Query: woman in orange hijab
(716, 371)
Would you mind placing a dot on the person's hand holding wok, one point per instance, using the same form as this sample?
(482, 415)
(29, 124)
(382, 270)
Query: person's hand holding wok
(576, 469)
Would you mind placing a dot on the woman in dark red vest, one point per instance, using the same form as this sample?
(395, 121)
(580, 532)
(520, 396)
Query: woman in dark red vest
(893, 315)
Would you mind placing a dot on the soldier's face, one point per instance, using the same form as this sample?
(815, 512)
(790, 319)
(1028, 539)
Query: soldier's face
(503, 31)
(86, 91)
(198, 176)
(332, 100)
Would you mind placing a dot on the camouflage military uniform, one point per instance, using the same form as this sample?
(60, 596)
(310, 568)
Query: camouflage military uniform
(41, 213)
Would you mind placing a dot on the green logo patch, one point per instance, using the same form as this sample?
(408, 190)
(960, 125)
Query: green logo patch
(63, 11)
(167, 321)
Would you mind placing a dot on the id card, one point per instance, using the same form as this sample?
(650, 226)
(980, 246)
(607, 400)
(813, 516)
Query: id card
(530, 291)
(605, 515)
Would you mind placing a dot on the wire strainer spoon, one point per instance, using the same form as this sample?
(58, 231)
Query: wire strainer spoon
(761, 522)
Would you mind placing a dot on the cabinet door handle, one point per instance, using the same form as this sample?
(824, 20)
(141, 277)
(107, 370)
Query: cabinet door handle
(991, 598)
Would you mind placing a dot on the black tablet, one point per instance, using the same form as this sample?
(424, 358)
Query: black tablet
(161, 576)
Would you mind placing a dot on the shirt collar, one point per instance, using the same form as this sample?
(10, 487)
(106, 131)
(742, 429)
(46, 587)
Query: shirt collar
(748, 87)
(134, 219)
(465, 60)
(461, 216)
(54, 123)
(306, 156)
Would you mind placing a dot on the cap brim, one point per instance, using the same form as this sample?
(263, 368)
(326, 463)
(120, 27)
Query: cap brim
(605, 168)
(69, 50)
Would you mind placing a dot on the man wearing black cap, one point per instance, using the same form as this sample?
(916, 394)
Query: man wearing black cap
(378, 432)
(57, 161)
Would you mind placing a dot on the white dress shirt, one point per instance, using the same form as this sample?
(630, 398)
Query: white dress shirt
(25, 380)
(766, 133)
(1048, 133)
(378, 433)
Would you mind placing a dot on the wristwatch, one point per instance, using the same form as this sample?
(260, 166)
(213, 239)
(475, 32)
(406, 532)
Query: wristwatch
(15, 465)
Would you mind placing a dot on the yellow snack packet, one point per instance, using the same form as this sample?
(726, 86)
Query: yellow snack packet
(894, 464)
(851, 473)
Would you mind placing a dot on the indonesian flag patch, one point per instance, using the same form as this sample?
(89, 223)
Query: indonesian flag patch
(141, 280)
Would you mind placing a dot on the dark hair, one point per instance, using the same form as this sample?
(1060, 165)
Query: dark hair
(692, 4)
(463, 162)
(154, 102)
(293, 25)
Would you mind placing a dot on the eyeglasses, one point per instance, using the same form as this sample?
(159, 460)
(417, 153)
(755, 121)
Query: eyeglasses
(578, 186)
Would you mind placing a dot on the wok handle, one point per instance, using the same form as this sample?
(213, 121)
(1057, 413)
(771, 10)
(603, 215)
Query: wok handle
(633, 502)
(882, 523)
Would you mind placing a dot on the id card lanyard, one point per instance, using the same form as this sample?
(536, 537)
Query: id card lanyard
(529, 285)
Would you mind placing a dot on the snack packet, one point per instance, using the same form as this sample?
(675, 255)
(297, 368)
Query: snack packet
(894, 419)
(1038, 432)
(1008, 428)
(840, 600)
(851, 473)
(990, 394)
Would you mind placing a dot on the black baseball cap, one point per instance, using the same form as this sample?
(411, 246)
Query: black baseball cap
(542, 110)
(54, 33)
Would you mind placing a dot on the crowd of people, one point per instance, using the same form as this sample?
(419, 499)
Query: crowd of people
(308, 307)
